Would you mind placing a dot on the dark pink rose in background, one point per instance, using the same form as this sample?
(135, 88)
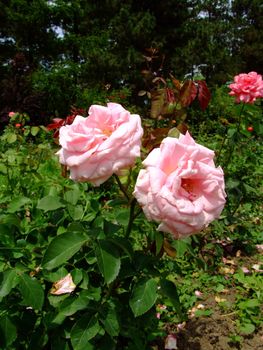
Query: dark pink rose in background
(247, 87)
(102, 144)
(180, 186)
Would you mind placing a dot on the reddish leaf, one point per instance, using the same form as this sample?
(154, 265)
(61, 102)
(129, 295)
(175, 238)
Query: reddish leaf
(182, 127)
(170, 98)
(157, 102)
(204, 94)
(154, 138)
(188, 93)
(57, 123)
(176, 83)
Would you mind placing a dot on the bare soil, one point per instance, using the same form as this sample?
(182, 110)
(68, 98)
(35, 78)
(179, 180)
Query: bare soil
(212, 333)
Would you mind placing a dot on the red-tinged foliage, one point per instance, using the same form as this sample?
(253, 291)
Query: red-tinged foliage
(157, 102)
(170, 98)
(153, 138)
(57, 123)
(204, 94)
(188, 93)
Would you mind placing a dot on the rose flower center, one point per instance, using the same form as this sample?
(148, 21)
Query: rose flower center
(188, 186)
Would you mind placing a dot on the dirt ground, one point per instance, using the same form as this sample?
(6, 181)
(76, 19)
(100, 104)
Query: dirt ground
(212, 333)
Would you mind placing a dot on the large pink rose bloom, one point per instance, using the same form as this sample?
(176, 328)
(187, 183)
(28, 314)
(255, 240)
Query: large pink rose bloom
(247, 87)
(180, 186)
(105, 142)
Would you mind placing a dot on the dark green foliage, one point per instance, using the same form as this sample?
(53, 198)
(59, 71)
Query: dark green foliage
(71, 49)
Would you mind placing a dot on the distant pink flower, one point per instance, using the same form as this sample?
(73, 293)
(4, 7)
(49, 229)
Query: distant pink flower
(158, 315)
(18, 125)
(247, 87)
(63, 286)
(170, 342)
(104, 143)
(180, 186)
(11, 114)
(259, 247)
(198, 294)
(245, 269)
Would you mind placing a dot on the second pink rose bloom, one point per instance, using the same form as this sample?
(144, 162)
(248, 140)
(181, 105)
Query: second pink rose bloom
(104, 143)
(247, 87)
(180, 186)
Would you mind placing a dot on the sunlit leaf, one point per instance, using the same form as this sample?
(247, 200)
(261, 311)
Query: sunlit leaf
(50, 203)
(18, 203)
(62, 248)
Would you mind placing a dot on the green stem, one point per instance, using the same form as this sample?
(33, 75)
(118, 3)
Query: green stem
(220, 149)
(131, 218)
(232, 148)
(122, 188)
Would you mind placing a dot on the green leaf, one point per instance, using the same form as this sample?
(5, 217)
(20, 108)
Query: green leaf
(7, 332)
(62, 248)
(17, 203)
(9, 281)
(11, 138)
(34, 130)
(110, 320)
(70, 306)
(169, 289)
(182, 246)
(50, 203)
(248, 304)
(247, 328)
(75, 211)
(123, 244)
(84, 330)
(144, 295)
(108, 260)
(200, 313)
(32, 292)
(72, 196)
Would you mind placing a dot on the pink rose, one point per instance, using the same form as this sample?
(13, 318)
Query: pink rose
(247, 87)
(105, 142)
(180, 186)
(11, 114)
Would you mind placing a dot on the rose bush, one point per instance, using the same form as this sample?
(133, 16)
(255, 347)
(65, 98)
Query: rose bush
(247, 87)
(180, 186)
(102, 144)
